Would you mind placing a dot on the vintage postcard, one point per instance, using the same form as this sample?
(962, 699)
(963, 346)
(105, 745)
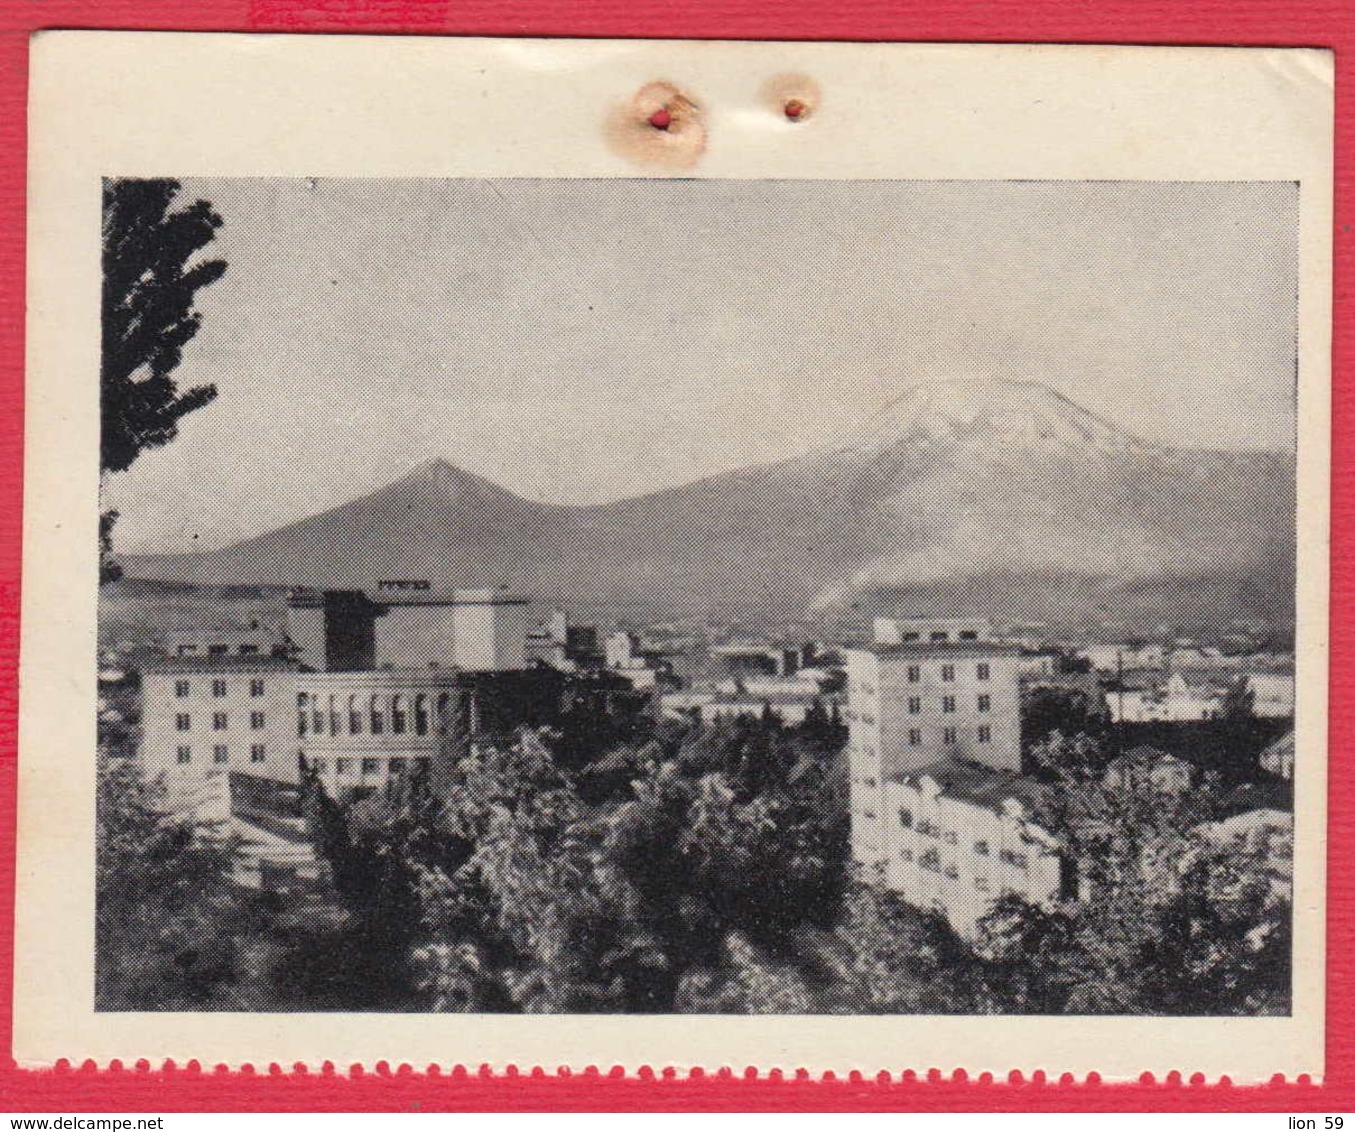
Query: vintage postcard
(686, 554)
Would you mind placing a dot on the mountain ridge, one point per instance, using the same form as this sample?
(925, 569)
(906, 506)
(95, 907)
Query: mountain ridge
(948, 484)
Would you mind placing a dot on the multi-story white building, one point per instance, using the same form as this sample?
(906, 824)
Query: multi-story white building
(343, 706)
(202, 717)
(940, 811)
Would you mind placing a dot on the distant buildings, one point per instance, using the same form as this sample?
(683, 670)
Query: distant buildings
(577, 648)
(758, 658)
(940, 811)
(1121, 657)
(1153, 698)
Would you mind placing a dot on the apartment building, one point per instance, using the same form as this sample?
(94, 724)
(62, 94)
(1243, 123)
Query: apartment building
(940, 811)
(202, 717)
(377, 684)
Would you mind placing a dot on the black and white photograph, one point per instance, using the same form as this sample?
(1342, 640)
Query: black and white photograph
(649, 595)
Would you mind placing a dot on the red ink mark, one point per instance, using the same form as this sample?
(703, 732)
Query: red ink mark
(794, 109)
(661, 119)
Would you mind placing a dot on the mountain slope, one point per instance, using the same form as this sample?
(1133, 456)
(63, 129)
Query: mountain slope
(959, 496)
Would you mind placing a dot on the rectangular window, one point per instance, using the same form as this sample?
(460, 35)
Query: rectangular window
(319, 765)
(220, 754)
(915, 737)
(257, 754)
(948, 704)
(183, 722)
(968, 635)
(948, 672)
(218, 650)
(985, 733)
(219, 721)
(985, 703)
(256, 687)
(914, 673)
(218, 688)
(906, 855)
(249, 650)
(952, 837)
(181, 688)
(343, 766)
(938, 638)
(397, 766)
(371, 766)
(185, 755)
(914, 705)
(952, 873)
(948, 736)
(906, 819)
(256, 720)
(981, 883)
(984, 671)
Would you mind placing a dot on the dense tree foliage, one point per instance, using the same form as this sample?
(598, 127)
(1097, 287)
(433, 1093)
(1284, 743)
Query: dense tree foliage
(700, 869)
(169, 917)
(687, 861)
(1069, 711)
(1173, 923)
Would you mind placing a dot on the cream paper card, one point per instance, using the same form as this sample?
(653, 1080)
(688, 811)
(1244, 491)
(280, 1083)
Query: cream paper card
(793, 555)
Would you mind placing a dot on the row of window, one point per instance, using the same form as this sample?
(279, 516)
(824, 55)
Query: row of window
(950, 735)
(363, 715)
(933, 864)
(982, 671)
(183, 688)
(220, 721)
(343, 766)
(948, 704)
(981, 848)
(221, 754)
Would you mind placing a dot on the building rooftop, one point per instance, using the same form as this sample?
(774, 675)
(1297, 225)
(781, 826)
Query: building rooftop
(938, 648)
(223, 663)
(412, 593)
(756, 700)
(981, 785)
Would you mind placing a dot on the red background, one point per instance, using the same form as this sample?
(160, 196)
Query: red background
(142, 1088)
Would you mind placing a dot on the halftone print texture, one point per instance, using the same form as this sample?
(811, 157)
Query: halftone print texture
(690, 415)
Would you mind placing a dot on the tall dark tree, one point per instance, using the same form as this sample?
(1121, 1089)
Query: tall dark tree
(151, 276)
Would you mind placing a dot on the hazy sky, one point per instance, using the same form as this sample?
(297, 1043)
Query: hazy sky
(585, 340)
